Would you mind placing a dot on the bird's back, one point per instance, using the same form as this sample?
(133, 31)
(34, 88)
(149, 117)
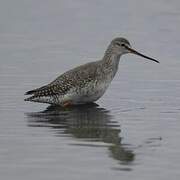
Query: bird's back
(71, 83)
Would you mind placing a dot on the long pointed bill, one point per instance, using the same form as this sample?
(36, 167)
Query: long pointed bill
(142, 55)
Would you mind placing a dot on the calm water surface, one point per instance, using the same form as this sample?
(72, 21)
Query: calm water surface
(134, 129)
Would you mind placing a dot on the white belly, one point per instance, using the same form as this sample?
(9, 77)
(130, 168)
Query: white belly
(87, 94)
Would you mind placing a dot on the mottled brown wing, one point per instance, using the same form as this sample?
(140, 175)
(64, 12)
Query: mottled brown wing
(77, 77)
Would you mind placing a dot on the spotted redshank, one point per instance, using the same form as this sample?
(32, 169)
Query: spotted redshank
(85, 83)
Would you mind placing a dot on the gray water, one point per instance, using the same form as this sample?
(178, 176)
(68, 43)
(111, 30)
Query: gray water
(133, 132)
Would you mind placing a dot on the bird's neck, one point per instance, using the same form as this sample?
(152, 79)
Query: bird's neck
(111, 60)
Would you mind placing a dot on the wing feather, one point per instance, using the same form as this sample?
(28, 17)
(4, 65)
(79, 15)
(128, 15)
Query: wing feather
(77, 77)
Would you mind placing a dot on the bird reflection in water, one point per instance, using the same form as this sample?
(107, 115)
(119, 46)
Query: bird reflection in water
(88, 123)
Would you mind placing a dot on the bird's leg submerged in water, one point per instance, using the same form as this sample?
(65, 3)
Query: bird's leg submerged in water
(67, 104)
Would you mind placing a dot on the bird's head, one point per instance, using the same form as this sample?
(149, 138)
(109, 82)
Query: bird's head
(122, 46)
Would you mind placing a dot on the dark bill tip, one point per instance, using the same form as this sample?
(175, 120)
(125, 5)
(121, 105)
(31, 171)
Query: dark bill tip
(142, 55)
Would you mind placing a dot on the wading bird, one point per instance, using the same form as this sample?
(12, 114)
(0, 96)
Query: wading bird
(85, 83)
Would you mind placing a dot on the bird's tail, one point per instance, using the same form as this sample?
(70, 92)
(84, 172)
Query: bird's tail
(43, 94)
(35, 91)
(29, 98)
(42, 99)
(30, 92)
(35, 97)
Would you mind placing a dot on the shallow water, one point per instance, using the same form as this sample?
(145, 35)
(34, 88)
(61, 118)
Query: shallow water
(134, 129)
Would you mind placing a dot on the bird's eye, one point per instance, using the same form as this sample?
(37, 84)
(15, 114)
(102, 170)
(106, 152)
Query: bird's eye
(123, 45)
